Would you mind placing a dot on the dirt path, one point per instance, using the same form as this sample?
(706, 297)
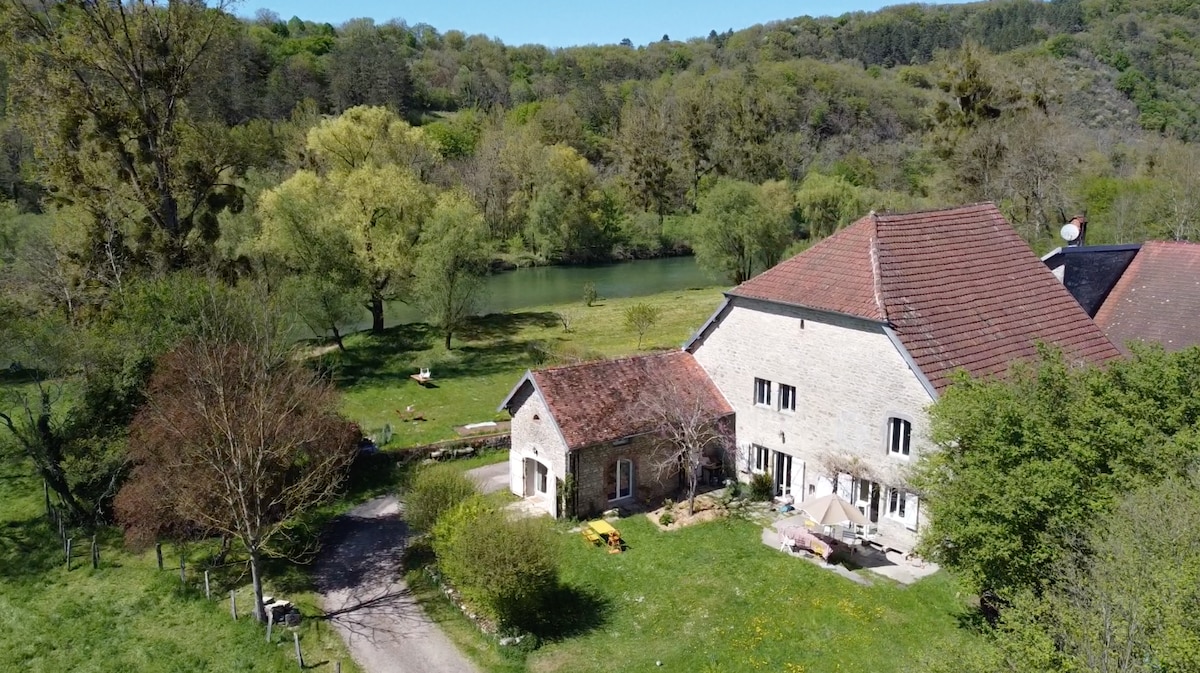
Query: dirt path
(359, 579)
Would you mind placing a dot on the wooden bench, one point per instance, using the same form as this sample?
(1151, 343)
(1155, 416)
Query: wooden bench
(590, 536)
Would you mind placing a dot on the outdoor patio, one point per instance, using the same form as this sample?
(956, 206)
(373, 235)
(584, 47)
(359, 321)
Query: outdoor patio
(803, 534)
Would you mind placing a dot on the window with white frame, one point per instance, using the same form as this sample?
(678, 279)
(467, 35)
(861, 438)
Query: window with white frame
(762, 392)
(762, 458)
(787, 397)
(902, 507)
(899, 437)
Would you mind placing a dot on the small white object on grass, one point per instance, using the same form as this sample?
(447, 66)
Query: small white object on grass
(658, 663)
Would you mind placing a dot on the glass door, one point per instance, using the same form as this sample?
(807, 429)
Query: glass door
(783, 474)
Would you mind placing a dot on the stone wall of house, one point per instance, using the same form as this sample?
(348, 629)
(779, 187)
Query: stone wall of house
(849, 379)
(596, 474)
(535, 436)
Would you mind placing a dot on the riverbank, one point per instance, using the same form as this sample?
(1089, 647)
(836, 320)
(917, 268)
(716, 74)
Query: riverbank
(538, 286)
(488, 358)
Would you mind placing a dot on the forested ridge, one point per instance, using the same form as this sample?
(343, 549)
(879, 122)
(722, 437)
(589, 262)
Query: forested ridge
(598, 152)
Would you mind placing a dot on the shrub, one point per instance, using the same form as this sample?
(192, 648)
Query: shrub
(507, 569)
(666, 518)
(589, 293)
(433, 491)
(762, 487)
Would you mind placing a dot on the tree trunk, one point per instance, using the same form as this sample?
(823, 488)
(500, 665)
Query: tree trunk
(256, 580)
(448, 334)
(337, 338)
(376, 314)
(691, 491)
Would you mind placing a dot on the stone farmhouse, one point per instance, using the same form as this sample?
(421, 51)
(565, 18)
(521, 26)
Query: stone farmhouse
(827, 362)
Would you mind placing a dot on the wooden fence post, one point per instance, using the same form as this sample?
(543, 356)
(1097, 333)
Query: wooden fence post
(337, 666)
(182, 571)
(207, 590)
(69, 540)
(270, 623)
(46, 492)
(299, 656)
(233, 603)
(158, 554)
(95, 554)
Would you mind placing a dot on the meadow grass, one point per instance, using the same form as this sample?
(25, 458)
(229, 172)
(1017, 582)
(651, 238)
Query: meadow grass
(488, 358)
(712, 597)
(127, 615)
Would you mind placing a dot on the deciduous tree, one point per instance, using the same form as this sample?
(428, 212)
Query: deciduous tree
(101, 88)
(685, 431)
(640, 317)
(238, 436)
(451, 262)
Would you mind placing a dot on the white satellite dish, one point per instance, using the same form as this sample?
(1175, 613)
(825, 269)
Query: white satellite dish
(1069, 232)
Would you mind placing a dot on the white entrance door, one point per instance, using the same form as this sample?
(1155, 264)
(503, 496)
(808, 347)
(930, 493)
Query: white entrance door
(783, 473)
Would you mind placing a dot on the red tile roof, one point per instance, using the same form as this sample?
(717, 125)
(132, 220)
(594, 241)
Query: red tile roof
(1157, 299)
(599, 401)
(959, 287)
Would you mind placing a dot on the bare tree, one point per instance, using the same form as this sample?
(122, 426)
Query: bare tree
(238, 438)
(685, 428)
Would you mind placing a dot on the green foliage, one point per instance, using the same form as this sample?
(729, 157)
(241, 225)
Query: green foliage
(589, 293)
(827, 203)
(1027, 463)
(640, 317)
(435, 490)
(762, 486)
(506, 567)
(741, 227)
(452, 262)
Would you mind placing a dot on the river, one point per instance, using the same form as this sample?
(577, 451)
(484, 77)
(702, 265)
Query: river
(541, 285)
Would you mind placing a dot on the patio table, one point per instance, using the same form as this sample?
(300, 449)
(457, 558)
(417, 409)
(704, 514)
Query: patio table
(601, 527)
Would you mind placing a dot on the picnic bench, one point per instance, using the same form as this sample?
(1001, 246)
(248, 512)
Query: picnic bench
(600, 530)
(422, 377)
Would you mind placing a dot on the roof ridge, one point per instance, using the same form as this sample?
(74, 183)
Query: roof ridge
(964, 206)
(876, 275)
(623, 358)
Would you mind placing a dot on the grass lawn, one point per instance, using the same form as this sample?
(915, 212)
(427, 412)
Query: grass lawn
(488, 358)
(712, 597)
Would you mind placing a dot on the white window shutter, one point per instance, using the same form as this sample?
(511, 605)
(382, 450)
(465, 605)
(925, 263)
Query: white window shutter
(910, 511)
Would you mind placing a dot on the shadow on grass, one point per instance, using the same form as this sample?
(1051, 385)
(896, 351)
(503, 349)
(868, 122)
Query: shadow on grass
(496, 326)
(391, 357)
(570, 611)
(28, 549)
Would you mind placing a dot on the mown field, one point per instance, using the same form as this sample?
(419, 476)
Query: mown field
(488, 358)
(711, 598)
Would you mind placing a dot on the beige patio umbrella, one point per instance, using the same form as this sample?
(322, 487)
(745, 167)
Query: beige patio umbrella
(832, 510)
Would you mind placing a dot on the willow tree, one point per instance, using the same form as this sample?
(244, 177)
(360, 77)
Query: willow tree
(101, 88)
(452, 261)
(358, 217)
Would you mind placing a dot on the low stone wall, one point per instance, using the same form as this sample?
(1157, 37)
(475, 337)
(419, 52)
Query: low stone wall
(461, 447)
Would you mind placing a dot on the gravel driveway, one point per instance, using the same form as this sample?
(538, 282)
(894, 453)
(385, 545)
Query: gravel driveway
(359, 578)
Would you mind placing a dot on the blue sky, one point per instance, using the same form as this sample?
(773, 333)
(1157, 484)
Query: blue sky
(565, 23)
